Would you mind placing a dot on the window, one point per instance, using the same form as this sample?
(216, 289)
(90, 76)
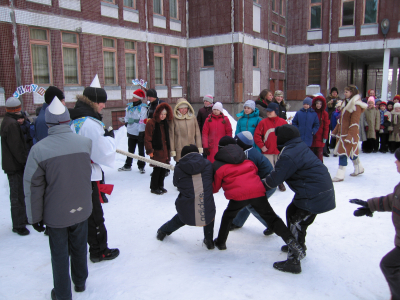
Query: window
(159, 64)
(158, 7)
(280, 62)
(208, 57)
(370, 11)
(273, 5)
(272, 60)
(255, 1)
(40, 53)
(347, 12)
(173, 9)
(281, 7)
(174, 66)
(109, 57)
(129, 3)
(109, 1)
(130, 61)
(274, 28)
(315, 14)
(281, 30)
(255, 57)
(314, 68)
(70, 53)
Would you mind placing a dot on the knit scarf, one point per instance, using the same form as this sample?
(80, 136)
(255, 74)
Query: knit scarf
(157, 142)
(382, 112)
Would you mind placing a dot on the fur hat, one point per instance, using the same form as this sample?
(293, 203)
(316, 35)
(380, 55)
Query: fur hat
(182, 105)
(251, 104)
(226, 140)
(390, 103)
(371, 99)
(94, 92)
(334, 89)
(13, 105)
(189, 149)
(308, 101)
(278, 93)
(286, 133)
(273, 107)
(56, 113)
(245, 140)
(139, 94)
(151, 93)
(208, 98)
(218, 105)
(52, 92)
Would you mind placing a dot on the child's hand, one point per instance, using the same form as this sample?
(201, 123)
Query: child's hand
(264, 149)
(151, 155)
(324, 141)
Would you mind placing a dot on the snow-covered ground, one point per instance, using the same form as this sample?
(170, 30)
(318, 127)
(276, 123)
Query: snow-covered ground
(342, 258)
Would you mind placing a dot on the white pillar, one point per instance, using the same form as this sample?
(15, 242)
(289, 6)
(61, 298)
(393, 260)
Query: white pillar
(386, 62)
(394, 76)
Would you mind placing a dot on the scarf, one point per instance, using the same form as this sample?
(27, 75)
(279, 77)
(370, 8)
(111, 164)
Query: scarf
(157, 136)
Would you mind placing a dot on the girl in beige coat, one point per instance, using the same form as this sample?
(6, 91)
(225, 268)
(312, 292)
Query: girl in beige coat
(184, 129)
(373, 125)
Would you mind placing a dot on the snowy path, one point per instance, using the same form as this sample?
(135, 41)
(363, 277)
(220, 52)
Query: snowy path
(342, 258)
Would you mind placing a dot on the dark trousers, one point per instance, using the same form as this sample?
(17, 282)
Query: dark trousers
(376, 142)
(298, 221)
(97, 232)
(393, 146)
(17, 199)
(318, 151)
(332, 144)
(157, 179)
(326, 146)
(390, 266)
(384, 137)
(134, 140)
(175, 223)
(73, 238)
(262, 206)
(368, 145)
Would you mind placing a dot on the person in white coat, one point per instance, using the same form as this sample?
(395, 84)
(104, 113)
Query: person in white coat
(86, 121)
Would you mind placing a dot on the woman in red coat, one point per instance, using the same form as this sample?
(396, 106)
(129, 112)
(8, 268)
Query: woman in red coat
(319, 140)
(215, 127)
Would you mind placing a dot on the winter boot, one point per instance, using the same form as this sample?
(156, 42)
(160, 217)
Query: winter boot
(296, 248)
(209, 244)
(142, 171)
(268, 231)
(80, 289)
(220, 246)
(341, 172)
(358, 168)
(291, 266)
(161, 235)
(233, 227)
(163, 190)
(53, 295)
(107, 254)
(125, 169)
(21, 231)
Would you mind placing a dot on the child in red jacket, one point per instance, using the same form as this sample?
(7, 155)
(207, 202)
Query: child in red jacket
(319, 139)
(242, 186)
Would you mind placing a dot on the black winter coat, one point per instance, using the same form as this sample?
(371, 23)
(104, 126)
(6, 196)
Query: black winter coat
(193, 177)
(14, 152)
(202, 115)
(306, 176)
(152, 107)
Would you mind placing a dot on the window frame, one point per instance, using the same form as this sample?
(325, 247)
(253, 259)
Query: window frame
(276, 27)
(320, 19)
(273, 6)
(257, 55)
(109, 49)
(109, 1)
(341, 13)
(175, 56)
(162, 55)
(202, 57)
(162, 8)
(282, 31)
(177, 10)
(272, 60)
(78, 59)
(130, 51)
(42, 43)
(377, 13)
(281, 58)
(132, 7)
(281, 9)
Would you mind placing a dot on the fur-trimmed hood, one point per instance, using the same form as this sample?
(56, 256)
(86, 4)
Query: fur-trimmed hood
(84, 108)
(190, 114)
(160, 108)
(351, 105)
(319, 98)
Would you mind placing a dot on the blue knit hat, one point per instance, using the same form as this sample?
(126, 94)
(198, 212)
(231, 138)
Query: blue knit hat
(308, 101)
(245, 139)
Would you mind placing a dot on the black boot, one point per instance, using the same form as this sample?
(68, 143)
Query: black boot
(220, 246)
(53, 295)
(291, 266)
(80, 289)
(104, 197)
(209, 244)
(161, 235)
(107, 254)
(296, 248)
(268, 231)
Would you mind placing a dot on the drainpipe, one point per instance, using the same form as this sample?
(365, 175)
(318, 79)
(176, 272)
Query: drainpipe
(328, 78)
(16, 54)
(147, 43)
(243, 92)
(286, 45)
(187, 53)
(233, 52)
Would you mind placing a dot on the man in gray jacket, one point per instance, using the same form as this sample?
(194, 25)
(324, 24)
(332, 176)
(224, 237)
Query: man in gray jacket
(58, 193)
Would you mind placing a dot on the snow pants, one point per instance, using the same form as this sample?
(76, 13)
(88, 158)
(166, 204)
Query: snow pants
(157, 179)
(134, 140)
(264, 209)
(97, 232)
(384, 138)
(17, 199)
(390, 266)
(298, 220)
(175, 223)
(62, 240)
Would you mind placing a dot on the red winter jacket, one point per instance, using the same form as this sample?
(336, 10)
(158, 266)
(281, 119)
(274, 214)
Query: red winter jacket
(323, 118)
(236, 175)
(215, 127)
(264, 135)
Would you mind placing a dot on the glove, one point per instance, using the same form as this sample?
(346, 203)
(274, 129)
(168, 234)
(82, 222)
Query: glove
(39, 226)
(363, 210)
(109, 133)
(324, 141)
(206, 151)
(366, 128)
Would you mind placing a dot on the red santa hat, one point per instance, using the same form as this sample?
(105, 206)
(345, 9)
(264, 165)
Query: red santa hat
(139, 94)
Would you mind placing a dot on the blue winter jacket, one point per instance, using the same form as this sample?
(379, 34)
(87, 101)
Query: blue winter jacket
(307, 123)
(334, 119)
(306, 176)
(41, 128)
(248, 123)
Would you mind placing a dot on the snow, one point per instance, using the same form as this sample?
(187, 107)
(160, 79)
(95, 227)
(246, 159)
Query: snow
(342, 258)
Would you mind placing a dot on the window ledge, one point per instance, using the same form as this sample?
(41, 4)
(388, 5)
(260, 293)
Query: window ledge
(347, 31)
(176, 87)
(176, 21)
(398, 27)
(207, 68)
(73, 88)
(369, 29)
(130, 9)
(257, 4)
(112, 87)
(276, 71)
(161, 87)
(314, 34)
(109, 4)
(159, 17)
(256, 68)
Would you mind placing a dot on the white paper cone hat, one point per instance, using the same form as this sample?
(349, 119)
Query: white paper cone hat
(96, 82)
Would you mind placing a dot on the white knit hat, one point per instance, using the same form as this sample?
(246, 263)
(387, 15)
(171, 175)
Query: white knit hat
(251, 104)
(396, 105)
(218, 105)
(208, 98)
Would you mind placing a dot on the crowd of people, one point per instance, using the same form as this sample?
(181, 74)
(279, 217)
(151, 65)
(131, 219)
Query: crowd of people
(248, 164)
